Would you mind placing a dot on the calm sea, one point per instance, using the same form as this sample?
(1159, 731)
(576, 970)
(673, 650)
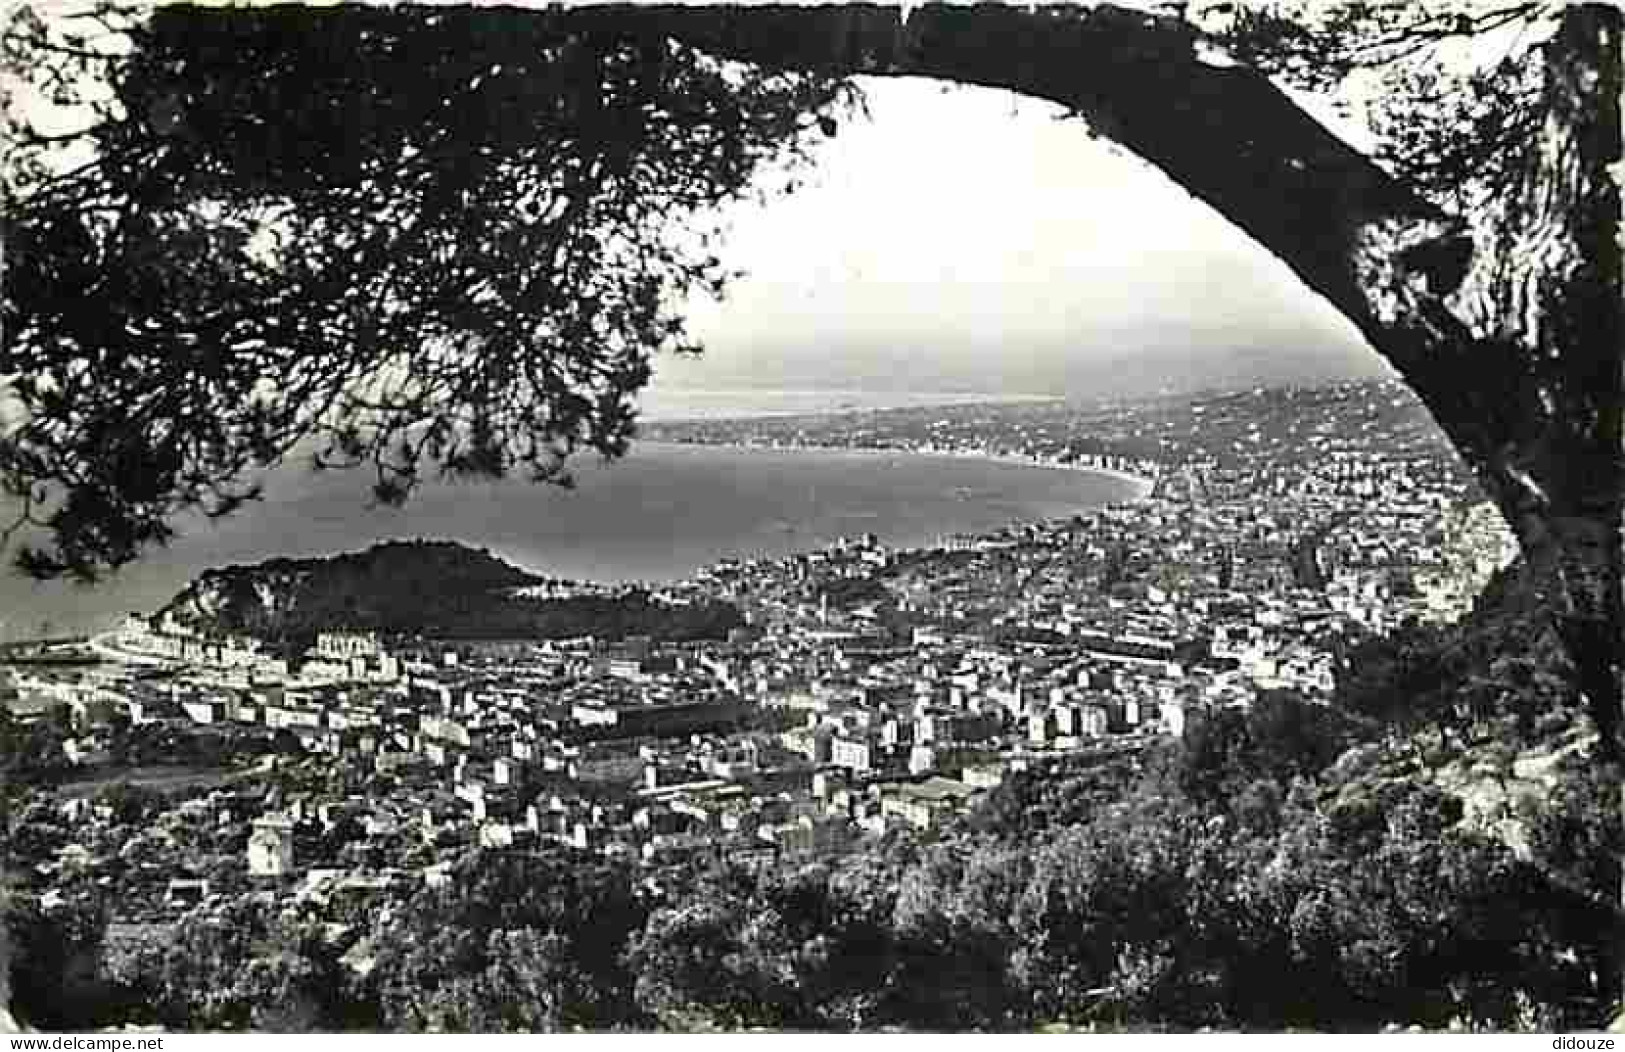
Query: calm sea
(657, 515)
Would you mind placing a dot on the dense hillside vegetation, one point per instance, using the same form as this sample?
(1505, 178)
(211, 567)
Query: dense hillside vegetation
(1429, 850)
(1296, 865)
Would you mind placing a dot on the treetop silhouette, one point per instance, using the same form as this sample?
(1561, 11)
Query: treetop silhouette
(387, 237)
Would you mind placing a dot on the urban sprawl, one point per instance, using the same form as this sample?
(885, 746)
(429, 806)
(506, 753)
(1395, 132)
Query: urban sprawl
(873, 690)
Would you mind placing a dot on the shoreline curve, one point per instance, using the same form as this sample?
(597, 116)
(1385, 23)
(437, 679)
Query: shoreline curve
(1144, 485)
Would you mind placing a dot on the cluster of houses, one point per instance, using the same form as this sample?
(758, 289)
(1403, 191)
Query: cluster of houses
(242, 660)
(874, 688)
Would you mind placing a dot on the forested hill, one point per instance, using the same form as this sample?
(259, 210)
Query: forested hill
(420, 588)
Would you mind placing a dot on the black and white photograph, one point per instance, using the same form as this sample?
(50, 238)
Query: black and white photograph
(951, 518)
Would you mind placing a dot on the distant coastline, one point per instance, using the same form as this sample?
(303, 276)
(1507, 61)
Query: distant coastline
(1144, 485)
(665, 511)
(722, 404)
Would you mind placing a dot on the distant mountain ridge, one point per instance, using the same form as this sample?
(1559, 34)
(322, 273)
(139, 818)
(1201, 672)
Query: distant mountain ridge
(419, 588)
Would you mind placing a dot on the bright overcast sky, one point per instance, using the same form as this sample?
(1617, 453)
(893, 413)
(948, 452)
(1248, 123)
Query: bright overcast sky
(964, 238)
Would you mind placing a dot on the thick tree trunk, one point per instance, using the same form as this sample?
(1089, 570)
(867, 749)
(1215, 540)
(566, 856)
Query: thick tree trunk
(1223, 132)
(1545, 291)
(1506, 324)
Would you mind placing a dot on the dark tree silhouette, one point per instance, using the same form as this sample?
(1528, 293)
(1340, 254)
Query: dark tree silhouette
(444, 238)
(1482, 262)
(399, 238)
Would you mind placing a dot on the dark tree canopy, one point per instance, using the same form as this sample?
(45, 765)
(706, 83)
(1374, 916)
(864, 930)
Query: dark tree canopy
(408, 239)
(445, 239)
(419, 238)
(453, 238)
